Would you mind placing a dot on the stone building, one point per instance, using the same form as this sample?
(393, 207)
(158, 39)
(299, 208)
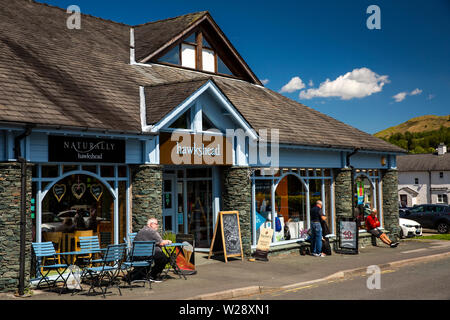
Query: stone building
(165, 119)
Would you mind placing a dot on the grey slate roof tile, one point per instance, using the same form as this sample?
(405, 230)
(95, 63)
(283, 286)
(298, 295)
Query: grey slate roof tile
(82, 78)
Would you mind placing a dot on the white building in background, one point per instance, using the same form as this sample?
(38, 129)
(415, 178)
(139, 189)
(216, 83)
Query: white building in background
(424, 178)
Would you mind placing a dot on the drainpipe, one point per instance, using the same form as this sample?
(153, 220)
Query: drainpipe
(23, 217)
(352, 177)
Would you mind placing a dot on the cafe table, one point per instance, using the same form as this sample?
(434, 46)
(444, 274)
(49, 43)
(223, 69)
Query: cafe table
(172, 253)
(70, 258)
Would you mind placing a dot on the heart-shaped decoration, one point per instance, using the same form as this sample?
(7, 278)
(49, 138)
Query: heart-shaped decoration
(78, 190)
(97, 191)
(59, 190)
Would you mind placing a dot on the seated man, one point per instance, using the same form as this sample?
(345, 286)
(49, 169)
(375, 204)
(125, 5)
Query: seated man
(148, 233)
(372, 225)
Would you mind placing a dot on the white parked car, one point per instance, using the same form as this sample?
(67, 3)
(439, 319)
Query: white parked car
(409, 228)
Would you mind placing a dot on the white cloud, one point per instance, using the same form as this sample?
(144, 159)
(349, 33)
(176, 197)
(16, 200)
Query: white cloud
(359, 83)
(293, 85)
(416, 91)
(399, 97)
(265, 81)
(431, 96)
(311, 83)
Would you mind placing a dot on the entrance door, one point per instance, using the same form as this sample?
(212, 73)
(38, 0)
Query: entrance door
(169, 203)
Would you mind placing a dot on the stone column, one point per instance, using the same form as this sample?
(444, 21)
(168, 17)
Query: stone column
(10, 189)
(146, 184)
(389, 188)
(343, 193)
(237, 195)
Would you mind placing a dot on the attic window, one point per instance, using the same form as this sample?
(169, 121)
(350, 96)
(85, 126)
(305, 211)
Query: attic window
(195, 52)
(183, 122)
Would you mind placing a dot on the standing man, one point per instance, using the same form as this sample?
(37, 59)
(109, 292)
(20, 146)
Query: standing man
(372, 226)
(316, 216)
(148, 233)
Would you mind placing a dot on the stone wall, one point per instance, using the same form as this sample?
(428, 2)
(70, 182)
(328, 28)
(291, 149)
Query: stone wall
(10, 189)
(146, 194)
(343, 193)
(390, 202)
(237, 195)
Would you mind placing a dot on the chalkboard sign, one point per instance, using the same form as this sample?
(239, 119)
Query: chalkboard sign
(348, 236)
(227, 236)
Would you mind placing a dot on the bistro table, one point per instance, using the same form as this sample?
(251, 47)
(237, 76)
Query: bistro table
(172, 253)
(70, 258)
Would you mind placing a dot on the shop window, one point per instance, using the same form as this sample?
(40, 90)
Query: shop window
(122, 171)
(49, 171)
(68, 168)
(199, 173)
(107, 171)
(290, 208)
(263, 205)
(92, 169)
(364, 199)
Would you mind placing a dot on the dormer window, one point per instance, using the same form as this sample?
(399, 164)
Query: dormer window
(195, 52)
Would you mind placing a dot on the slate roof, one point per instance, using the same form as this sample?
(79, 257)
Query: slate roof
(151, 36)
(53, 76)
(423, 162)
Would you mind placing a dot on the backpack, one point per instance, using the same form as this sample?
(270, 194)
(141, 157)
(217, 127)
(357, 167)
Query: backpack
(326, 248)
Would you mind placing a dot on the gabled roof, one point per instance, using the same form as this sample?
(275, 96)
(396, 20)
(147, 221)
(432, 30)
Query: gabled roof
(423, 162)
(155, 38)
(82, 79)
(262, 108)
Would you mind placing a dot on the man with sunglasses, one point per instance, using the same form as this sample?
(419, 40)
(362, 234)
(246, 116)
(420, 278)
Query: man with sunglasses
(148, 233)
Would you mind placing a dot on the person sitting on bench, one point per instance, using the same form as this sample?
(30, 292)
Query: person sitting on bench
(372, 226)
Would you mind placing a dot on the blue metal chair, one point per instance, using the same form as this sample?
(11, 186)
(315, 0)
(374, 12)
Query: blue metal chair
(91, 245)
(47, 250)
(129, 239)
(140, 260)
(106, 274)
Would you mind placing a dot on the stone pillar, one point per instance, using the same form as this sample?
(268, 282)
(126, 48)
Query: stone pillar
(237, 195)
(343, 193)
(146, 184)
(389, 182)
(10, 189)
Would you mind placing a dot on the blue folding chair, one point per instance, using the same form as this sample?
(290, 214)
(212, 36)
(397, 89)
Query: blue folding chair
(90, 245)
(140, 260)
(106, 274)
(47, 250)
(129, 239)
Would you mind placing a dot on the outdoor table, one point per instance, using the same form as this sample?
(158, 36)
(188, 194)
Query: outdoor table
(72, 257)
(172, 253)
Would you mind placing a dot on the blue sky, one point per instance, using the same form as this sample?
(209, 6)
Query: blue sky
(376, 78)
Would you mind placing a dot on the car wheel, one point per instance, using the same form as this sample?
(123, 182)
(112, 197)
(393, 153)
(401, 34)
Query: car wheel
(401, 235)
(442, 227)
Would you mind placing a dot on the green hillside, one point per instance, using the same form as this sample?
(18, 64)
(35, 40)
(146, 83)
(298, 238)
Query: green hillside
(419, 135)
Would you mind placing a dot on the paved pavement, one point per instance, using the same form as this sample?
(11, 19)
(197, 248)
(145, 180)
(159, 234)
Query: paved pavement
(217, 280)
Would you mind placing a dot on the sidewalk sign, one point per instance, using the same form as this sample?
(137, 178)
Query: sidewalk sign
(186, 258)
(262, 248)
(227, 236)
(347, 236)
